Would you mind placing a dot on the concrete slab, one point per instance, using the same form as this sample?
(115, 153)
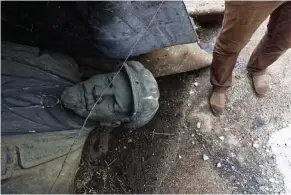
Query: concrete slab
(205, 6)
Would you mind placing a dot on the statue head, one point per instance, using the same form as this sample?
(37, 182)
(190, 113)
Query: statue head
(131, 99)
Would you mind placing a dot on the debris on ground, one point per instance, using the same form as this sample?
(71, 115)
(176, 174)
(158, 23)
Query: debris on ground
(205, 157)
(236, 166)
(221, 138)
(198, 125)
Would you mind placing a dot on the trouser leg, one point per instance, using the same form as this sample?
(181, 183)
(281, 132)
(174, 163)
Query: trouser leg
(241, 19)
(275, 42)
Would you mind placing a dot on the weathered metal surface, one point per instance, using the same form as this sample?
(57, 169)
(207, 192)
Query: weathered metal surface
(161, 62)
(176, 59)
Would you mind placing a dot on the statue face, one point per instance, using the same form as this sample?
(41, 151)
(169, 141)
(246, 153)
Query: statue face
(115, 106)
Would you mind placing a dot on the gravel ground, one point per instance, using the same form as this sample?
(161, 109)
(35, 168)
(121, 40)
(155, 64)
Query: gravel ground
(185, 149)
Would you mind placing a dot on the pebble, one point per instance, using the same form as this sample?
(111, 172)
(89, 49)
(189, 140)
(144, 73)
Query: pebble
(124, 147)
(192, 135)
(205, 157)
(198, 125)
(237, 76)
(256, 145)
(195, 83)
(221, 138)
(218, 165)
(260, 180)
(272, 180)
(130, 140)
(193, 142)
(225, 129)
(180, 156)
(268, 151)
(191, 92)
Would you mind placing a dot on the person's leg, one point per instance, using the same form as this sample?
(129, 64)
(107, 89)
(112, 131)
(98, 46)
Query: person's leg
(275, 42)
(241, 19)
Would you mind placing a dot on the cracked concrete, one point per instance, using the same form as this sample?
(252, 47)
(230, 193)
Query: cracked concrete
(249, 148)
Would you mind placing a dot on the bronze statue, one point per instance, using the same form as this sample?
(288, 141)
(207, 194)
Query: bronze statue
(44, 106)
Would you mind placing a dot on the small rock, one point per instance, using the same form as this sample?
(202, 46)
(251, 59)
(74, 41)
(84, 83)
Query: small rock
(180, 156)
(205, 157)
(233, 155)
(218, 165)
(130, 141)
(221, 138)
(256, 145)
(193, 142)
(225, 129)
(124, 147)
(237, 76)
(260, 180)
(198, 125)
(191, 92)
(192, 135)
(195, 83)
(188, 104)
(268, 151)
(272, 180)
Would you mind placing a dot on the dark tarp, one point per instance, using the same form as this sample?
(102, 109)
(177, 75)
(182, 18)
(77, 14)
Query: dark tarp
(97, 28)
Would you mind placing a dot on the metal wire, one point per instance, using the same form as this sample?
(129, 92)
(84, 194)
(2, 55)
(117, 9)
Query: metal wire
(100, 97)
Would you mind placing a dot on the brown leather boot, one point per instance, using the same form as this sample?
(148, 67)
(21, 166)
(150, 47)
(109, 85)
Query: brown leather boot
(217, 102)
(261, 84)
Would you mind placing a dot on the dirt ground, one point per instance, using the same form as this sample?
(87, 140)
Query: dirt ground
(185, 149)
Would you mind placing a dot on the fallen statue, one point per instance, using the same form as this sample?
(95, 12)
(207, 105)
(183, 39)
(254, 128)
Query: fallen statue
(44, 106)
